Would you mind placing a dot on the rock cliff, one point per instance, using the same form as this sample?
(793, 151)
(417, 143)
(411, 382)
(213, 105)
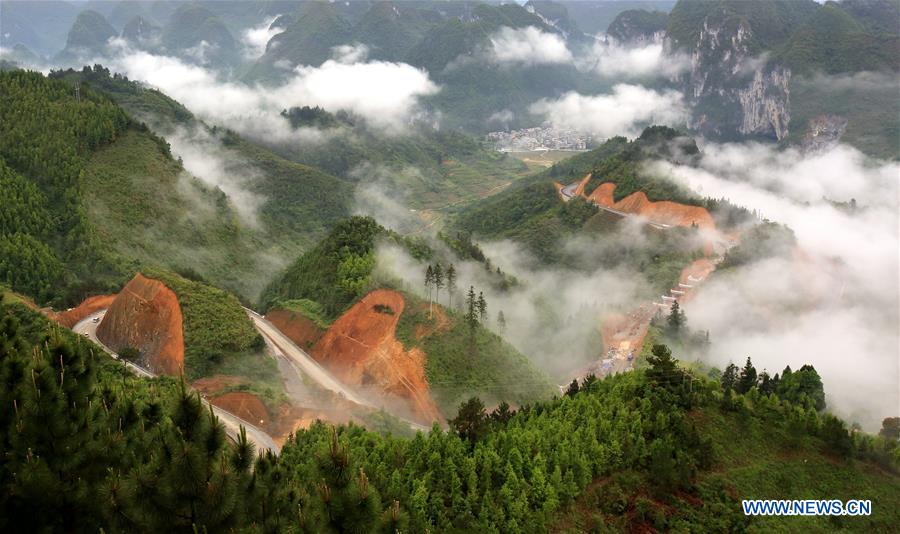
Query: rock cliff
(733, 89)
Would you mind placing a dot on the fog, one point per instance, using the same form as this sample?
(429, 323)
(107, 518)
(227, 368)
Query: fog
(529, 46)
(622, 112)
(385, 94)
(611, 59)
(257, 37)
(834, 302)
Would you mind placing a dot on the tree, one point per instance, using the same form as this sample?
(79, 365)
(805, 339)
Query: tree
(766, 383)
(471, 420)
(663, 367)
(834, 433)
(729, 377)
(676, 319)
(502, 414)
(429, 279)
(451, 284)
(471, 310)
(482, 307)
(572, 390)
(802, 386)
(501, 322)
(130, 354)
(437, 276)
(747, 379)
(890, 428)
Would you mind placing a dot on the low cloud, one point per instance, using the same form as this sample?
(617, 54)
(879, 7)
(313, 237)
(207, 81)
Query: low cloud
(257, 37)
(529, 46)
(612, 60)
(832, 303)
(622, 112)
(385, 94)
(204, 156)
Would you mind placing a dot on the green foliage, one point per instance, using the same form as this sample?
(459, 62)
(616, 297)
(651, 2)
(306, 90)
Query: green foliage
(45, 136)
(310, 309)
(338, 270)
(763, 241)
(219, 338)
(82, 427)
(466, 359)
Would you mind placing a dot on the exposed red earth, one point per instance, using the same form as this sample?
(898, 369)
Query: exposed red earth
(302, 331)
(145, 315)
(71, 317)
(361, 349)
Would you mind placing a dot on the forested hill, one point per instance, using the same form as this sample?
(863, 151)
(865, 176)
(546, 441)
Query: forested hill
(661, 449)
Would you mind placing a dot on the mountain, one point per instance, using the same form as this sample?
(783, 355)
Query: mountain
(745, 58)
(142, 33)
(638, 26)
(20, 24)
(637, 451)
(595, 17)
(88, 37)
(306, 41)
(199, 35)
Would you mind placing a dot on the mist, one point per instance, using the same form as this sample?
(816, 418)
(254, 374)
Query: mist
(833, 302)
(622, 112)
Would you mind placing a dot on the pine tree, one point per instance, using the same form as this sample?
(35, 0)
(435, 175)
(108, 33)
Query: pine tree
(451, 284)
(429, 279)
(729, 377)
(482, 307)
(501, 322)
(676, 319)
(471, 315)
(747, 379)
(437, 277)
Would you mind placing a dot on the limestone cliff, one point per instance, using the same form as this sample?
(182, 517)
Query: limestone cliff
(734, 89)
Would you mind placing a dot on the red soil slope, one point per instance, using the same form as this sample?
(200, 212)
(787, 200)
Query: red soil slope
(663, 212)
(298, 328)
(70, 318)
(146, 315)
(245, 405)
(361, 349)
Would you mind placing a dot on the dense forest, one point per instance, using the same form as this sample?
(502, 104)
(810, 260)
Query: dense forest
(146, 456)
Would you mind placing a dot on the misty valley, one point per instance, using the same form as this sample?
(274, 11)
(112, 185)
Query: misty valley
(449, 266)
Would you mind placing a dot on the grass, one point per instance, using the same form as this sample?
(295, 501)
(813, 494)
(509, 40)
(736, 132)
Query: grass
(147, 209)
(219, 338)
(460, 365)
(307, 308)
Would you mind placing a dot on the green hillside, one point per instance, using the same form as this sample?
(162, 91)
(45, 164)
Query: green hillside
(461, 362)
(89, 35)
(337, 271)
(219, 338)
(636, 452)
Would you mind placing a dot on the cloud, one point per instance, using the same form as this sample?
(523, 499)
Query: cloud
(502, 117)
(350, 53)
(204, 156)
(621, 112)
(529, 46)
(832, 303)
(257, 37)
(610, 59)
(385, 94)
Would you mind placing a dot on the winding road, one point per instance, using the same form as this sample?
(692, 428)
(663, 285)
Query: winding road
(303, 363)
(232, 423)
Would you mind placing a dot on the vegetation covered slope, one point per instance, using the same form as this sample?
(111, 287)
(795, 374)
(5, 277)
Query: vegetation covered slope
(635, 451)
(464, 359)
(337, 271)
(219, 338)
(47, 248)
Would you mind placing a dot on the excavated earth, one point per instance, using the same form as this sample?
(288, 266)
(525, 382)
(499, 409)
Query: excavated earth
(362, 350)
(662, 212)
(71, 317)
(145, 315)
(302, 331)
